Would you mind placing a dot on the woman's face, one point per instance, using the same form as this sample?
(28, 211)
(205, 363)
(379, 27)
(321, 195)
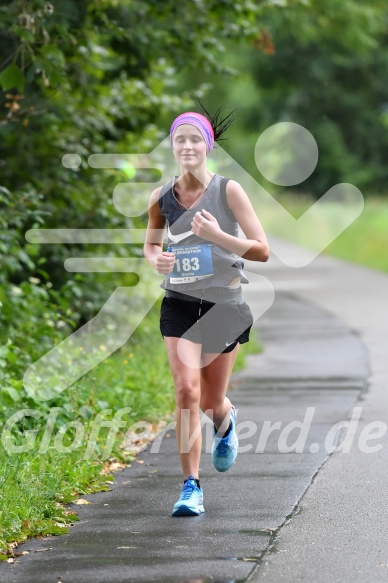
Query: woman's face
(188, 145)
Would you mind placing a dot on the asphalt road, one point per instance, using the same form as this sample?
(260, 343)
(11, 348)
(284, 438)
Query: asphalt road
(340, 531)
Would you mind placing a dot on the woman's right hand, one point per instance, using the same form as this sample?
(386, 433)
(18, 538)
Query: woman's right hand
(164, 262)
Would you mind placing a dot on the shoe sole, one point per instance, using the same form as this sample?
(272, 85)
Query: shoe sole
(224, 469)
(184, 510)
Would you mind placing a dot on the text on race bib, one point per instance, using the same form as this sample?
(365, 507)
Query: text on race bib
(192, 262)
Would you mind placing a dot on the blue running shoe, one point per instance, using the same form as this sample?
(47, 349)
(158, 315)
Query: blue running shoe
(225, 449)
(190, 502)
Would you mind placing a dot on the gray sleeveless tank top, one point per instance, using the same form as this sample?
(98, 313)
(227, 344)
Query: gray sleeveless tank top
(227, 266)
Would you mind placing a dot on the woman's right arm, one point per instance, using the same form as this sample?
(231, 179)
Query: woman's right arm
(162, 261)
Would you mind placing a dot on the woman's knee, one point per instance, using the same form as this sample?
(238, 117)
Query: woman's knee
(187, 393)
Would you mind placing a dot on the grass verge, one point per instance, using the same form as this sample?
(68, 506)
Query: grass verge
(363, 242)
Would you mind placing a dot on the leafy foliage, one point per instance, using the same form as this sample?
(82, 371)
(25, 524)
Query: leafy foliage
(321, 64)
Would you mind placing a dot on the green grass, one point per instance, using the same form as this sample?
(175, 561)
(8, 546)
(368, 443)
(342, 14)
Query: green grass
(36, 486)
(364, 242)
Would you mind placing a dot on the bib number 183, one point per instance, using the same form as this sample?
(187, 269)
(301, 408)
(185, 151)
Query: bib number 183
(192, 263)
(187, 264)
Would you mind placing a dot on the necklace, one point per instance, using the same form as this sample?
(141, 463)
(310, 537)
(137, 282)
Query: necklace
(181, 203)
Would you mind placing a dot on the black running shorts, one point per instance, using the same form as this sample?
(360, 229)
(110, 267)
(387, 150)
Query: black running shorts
(218, 327)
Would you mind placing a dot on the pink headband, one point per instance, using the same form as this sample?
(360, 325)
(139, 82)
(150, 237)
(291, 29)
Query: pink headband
(200, 122)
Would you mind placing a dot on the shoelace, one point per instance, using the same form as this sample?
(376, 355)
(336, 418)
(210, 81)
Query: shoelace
(188, 489)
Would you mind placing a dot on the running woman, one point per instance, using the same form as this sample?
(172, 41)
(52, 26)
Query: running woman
(204, 317)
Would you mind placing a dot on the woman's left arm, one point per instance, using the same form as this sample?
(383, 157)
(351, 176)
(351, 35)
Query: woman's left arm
(255, 246)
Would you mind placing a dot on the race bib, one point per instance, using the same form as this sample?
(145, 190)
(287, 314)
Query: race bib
(192, 263)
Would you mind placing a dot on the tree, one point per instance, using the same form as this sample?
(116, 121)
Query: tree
(321, 64)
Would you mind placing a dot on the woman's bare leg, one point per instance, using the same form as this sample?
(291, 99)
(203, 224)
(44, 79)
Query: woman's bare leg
(215, 377)
(187, 383)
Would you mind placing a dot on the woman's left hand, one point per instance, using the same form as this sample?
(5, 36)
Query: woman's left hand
(204, 225)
